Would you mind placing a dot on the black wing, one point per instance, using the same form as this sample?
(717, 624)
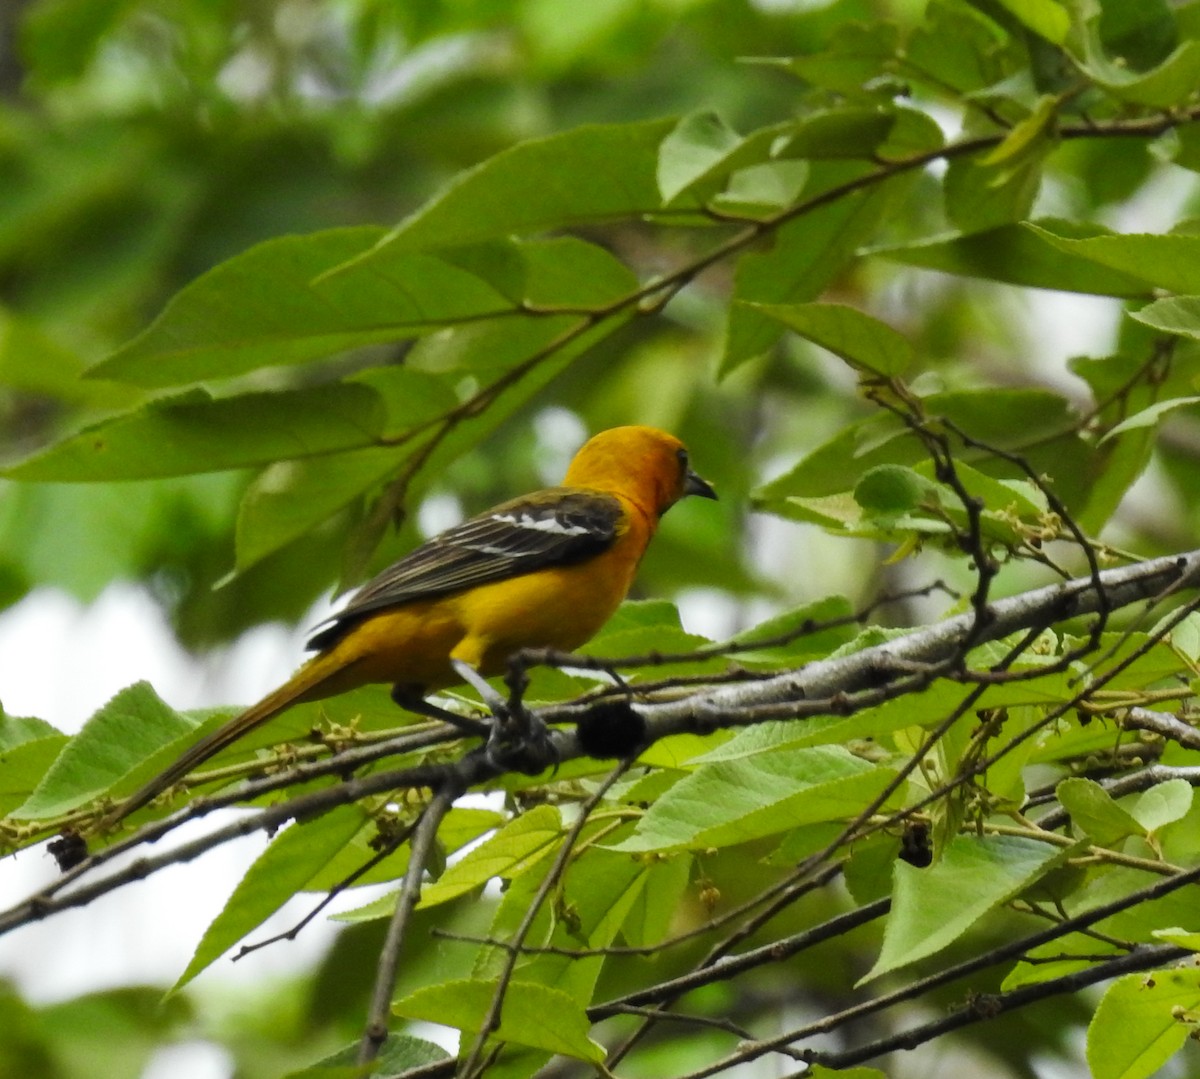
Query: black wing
(555, 527)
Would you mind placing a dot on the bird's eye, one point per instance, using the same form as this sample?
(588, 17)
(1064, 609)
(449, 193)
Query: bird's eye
(682, 454)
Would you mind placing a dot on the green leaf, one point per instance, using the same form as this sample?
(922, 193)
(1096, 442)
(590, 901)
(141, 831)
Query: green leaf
(933, 907)
(294, 857)
(114, 741)
(1136, 1028)
(980, 198)
(858, 338)
(271, 305)
(819, 1071)
(1179, 315)
(1024, 135)
(657, 904)
(23, 766)
(565, 271)
(805, 256)
(595, 172)
(1019, 254)
(760, 191)
(1009, 419)
(17, 730)
(892, 490)
(533, 1015)
(807, 626)
(177, 437)
(734, 801)
(855, 55)
(400, 1053)
(1094, 812)
(641, 627)
(1149, 417)
(1170, 83)
(689, 152)
(1163, 804)
(1047, 18)
(1183, 937)
(514, 849)
(1170, 261)
(290, 498)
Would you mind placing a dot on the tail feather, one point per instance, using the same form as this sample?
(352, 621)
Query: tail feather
(305, 684)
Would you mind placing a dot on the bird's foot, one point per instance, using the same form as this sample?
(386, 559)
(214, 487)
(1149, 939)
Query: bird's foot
(520, 741)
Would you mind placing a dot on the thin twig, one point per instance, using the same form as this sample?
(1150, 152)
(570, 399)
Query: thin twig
(423, 835)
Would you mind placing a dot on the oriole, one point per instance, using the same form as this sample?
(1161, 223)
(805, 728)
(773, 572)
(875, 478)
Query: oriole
(545, 570)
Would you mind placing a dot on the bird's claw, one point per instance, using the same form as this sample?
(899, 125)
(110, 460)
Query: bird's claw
(521, 741)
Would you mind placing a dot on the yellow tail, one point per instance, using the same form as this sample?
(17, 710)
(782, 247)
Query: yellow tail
(306, 684)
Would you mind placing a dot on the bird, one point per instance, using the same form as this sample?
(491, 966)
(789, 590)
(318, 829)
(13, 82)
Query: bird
(543, 570)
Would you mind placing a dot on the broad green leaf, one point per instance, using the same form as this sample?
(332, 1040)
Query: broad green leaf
(1061, 956)
(294, 857)
(400, 1053)
(1168, 84)
(805, 256)
(1183, 937)
(980, 198)
(270, 305)
(181, 436)
(858, 338)
(130, 727)
(519, 845)
(600, 890)
(892, 489)
(17, 730)
(1170, 261)
(1136, 1028)
(1023, 135)
(289, 498)
(657, 904)
(689, 152)
(1047, 18)
(1009, 419)
(1149, 417)
(734, 801)
(855, 55)
(1163, 804)
(956, 47)
(559, 271)
(533, 1015)
(819, 1071)
(1179, 315)
(1019, 254)
(637, 614)
(934, 906)
(1094, 812)
(23, 766)
(761, 191)
(854, 131)
(595, 172)
(565, 271)
(459, 827)
(806, 629)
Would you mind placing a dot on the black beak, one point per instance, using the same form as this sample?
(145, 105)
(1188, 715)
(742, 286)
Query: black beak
(694, 485)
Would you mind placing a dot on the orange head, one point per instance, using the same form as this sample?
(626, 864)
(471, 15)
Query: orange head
(645, 465)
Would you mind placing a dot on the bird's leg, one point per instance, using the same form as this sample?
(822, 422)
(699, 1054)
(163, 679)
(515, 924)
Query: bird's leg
(518, 738)
(411, 700)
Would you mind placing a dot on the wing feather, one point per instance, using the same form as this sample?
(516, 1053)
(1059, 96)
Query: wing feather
(555, 527)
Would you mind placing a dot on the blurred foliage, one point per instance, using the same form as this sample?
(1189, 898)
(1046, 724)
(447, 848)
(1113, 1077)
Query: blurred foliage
(275, 274)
